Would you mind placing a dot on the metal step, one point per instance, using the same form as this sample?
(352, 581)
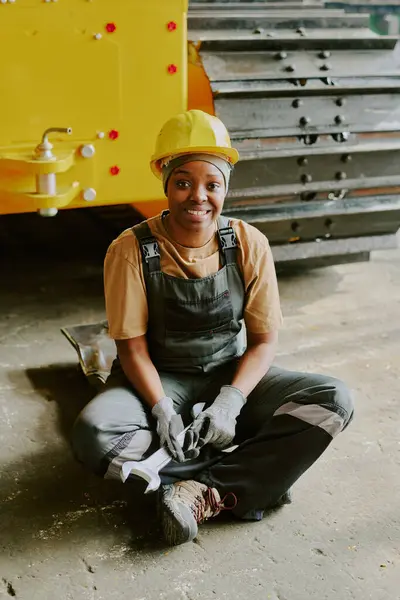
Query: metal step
(255, 7)
(312, 87)
(240, 20)
(276, 39)
(304, 169)
(317, 40)
(266, 3)
(293, 116)
(322, 252)
(282, 6)
(332, 219)
(256, 66)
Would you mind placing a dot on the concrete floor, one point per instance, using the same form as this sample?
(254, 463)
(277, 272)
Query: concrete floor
(66, 535)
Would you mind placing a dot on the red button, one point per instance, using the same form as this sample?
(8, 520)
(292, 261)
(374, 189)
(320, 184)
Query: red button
(115, 170)
(111, 27)
(171, 26)
(113, 134)
(172, 69)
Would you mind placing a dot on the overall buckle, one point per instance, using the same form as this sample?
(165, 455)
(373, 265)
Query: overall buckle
(150, 248)
(227, 238)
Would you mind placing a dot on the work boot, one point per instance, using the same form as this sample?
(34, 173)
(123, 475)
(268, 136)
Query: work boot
(185, 505)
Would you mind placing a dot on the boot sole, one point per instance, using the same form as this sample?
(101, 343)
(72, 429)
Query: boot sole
(177, 521)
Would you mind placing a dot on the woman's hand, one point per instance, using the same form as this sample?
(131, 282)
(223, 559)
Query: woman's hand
(169, 426)
(217, 424)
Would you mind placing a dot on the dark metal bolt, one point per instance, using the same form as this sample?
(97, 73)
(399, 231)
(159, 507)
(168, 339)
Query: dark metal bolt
(341, 137)
(340, 102)
(325, 67)
(346, 158)
(281, 55)
(302, 161)
(297, 103)
(295, 226)
(306, 178)
(308, 196)
(309, 139)
(301, 30)
(290, 68)
(328, 223)
(324, 54)
(339, 119)
(304, 121)
(259, 30)
(340, 175)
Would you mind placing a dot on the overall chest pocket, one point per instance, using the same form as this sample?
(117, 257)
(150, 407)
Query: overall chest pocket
(201, 316)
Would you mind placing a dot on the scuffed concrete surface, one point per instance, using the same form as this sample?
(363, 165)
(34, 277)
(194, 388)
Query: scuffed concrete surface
(66, 535)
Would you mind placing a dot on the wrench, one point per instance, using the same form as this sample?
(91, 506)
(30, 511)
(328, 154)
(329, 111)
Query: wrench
(149, 468)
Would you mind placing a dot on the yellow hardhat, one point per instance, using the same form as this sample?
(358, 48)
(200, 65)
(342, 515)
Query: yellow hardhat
(193, 131)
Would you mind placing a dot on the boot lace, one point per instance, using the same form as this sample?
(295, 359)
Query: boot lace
(205, 502)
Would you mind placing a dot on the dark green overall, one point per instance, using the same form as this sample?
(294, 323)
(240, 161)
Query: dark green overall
(195, 325)
(196, 337)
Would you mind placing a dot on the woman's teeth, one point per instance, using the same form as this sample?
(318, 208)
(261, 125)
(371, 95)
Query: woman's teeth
(198, 213)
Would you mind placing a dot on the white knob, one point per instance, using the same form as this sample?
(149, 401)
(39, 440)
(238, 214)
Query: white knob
(3, 1)
(100, 135)
(88, 150)
(48, 212)
(97, 36)
(89, 194)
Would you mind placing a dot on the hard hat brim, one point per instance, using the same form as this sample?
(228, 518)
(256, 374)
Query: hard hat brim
(231, 154)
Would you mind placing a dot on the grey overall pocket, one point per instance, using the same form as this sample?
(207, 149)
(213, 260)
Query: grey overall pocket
(202, 316)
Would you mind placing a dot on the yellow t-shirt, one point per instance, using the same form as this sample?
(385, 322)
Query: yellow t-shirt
(125, 288)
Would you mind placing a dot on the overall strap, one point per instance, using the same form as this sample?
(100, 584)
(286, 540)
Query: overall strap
(228, 244)
(149, 248)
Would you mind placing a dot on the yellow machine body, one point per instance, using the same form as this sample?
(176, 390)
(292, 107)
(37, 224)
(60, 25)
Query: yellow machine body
(112, 72)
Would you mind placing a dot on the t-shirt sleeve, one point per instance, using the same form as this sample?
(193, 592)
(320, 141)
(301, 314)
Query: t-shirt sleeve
(262, 312)
(125, 296)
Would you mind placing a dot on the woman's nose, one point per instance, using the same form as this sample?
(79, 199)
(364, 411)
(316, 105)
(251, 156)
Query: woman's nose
(199, 194)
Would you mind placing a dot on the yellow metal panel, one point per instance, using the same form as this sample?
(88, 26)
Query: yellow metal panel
(50, 85)
(97, 67)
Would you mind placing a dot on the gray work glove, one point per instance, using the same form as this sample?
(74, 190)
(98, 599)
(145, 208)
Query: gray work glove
(216, 425)
(169, 425)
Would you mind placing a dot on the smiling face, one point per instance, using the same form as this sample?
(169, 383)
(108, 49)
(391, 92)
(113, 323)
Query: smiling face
(196, 193)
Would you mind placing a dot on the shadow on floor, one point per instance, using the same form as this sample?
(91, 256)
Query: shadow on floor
(65, 385)
(47, 495)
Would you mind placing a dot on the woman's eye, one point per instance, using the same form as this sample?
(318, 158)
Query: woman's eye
(213, 187)
(182, 184)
